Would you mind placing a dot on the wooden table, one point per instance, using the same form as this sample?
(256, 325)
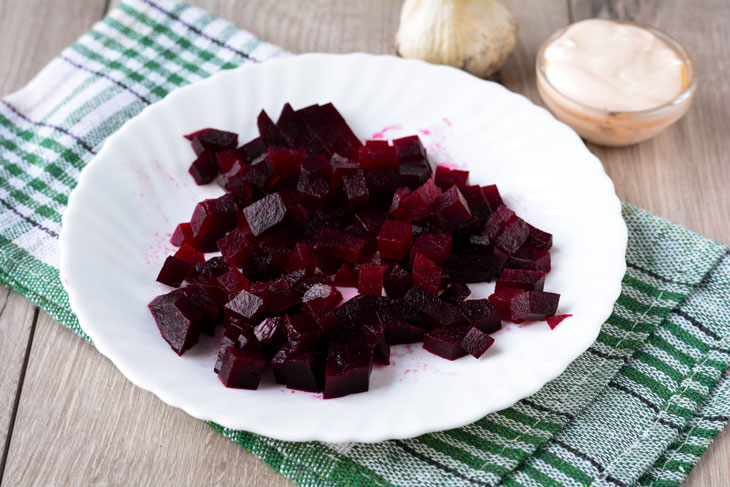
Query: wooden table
(68, 417)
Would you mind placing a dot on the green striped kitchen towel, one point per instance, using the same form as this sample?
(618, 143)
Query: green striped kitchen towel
(638, 408)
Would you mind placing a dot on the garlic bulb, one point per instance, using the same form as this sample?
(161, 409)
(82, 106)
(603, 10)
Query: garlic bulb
(474, 35)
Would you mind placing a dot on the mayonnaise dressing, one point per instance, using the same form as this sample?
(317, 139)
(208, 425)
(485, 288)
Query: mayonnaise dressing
(614, 66)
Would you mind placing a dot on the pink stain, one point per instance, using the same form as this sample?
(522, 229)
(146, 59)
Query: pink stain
(447, 122)
(382, 133)
(425, 131)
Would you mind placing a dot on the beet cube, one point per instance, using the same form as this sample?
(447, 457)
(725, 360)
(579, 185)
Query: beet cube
(182, 232)
(214, 140)
(206, 273)
(372, 157)
(322, 313)
(397, 210)
(382, 183)
(512, 235)
(472, 267)
(434, 312)
(477, 202)
(286, 161)
(178, 320)
(530, 259)
(394, 239)
(232, 281)
(269, 132)
(521, 279)
(534, 305)
(446, 178)
(236, 247)
(491, 194)
(173, 271)
(316, 193)
(204, 169)
(476, 342)
(302, 257)
(329, 293)
(241, 369)
(226, 159)
(370, 279)
(296, 132)
(414, 173)
(303, 370)
(426, 273)
(481, 244)
(539, 239)
(339, 245)
(278, 363)
(278, 295)
(265, 214)
(456, 293)
(271, 330)
(502, 300)
(349, 363)
(198, 296)
(409, 148)
(420, 202)
(376, 143)
(369, 221)
(481, 314)
(346, 276)
(307, 282)
(302, 331)
(451, 210)
(253, 149)
(214, 217)
(397, 281)
(331, 130)
(495, 223)
(381, 354)
(313, 167)
(230, 339)
(245, 306)
(356, 189)
(446, 342)
(554, 321)
(436, 247)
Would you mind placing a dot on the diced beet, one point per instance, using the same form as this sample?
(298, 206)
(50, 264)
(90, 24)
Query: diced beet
(302, 331)
(173, 271)
(502, 300)
(409, 148)
(434, 312)
(446, 342)
(376, 143)
(530, 259)
(477, 202)
(226, 159)
(420, 203)
(346, 276)
(232, 281)
(481, 314)
(426, 273)
(278, 295)
(339, 245)
(307, 282)
(447, 178)
(241, 369)
(382, 183)
(398, 332)
(472, 267)
(534, 305)
(245, 306)
(278, 363)
(521, 279)
(313, 167)
(271, 330)
(204, 168)
(303, 369)
(369, 221)
(302, 257)
(539, 239)
(265, 214)
(554, 321)
(214, 217)
(456, 293)
(236, 247)
(451, 210)
(214, 140)
(178, 320)
(205, 273)
(182, 232)
(397, 281)
(370, 279)
(286, 161)
(414, 173)
(269, 132)
(356, 189)
(331, 130)
(349, 363)
(512, 235)
(394, 239)
(371, 157)
(499, 217)
(229, 339)
(296, 132)
(322, 313)
(397, 210)
(465, 230)
(381, 353)
(491, 194)
(476, 342)
(436, 247)
(323, 291)
(253, 149)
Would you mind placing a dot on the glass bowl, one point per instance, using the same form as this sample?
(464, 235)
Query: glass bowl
(618, 128)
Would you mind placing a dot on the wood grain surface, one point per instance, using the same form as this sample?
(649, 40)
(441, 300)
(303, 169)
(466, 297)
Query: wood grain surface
(68, 417)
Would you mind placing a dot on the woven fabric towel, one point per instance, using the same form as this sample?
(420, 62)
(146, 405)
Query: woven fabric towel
(638, 408)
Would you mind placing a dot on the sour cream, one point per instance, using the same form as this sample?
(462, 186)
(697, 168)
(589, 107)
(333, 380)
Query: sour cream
(614, 66)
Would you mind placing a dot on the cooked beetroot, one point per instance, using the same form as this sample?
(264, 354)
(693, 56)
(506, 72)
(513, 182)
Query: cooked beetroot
(481, 314)
(451, 210)
(370, 279)
(394, 239)
(420, 202)
(329, 293)
(397, 281)
(286, 161)
(265, 214)
(356, 189)
(397, 210)
(414, 173)
(476, 342)
(271, 330)
(495, 223)
(502, 300)
(269, 132)
(426, 273)
(278, 363)
(229, 339)
(303, 370)
(447, 178)
(302, 257)
(205, 273)
(512, 235)
(477, 202)
(473, 267)
(226, 159)
(349, 363)
(214, 217)
(331, 130)
(446, 342)
(369, 221)
(178, 320)
(521, 279)
(539, 239)
(382, 183)
(534, 306)
(323, 314)
(253, 149)
(296, 132)
(204, 169)
(346, 276)
(213, 139)
(374, 157)
(302, 331)
(232, 281)
(278, 295)
(409, 148)
(236, 247)
(434, 312)
(491, 194)
(182, 232)
(554, 321)
(173, 271)
(529, 258)
(241, 369)
(436, 247)
(456, 293)
(339, 245)
(245, 306)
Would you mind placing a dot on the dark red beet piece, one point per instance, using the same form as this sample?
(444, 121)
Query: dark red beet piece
(376, 143)
(534, 305)
(286, 161)
(265, 214)
(317, 193)
(397, 281)
(397, 210)
(178, 320)
(322, 313)
(481, 314)
(329, 293)
(521, 279)
(491, 194)
(204, 169)
(245, 306)
(394, 239)
(269, 132)
(369, 221)
(226, 159)
(554, 321)
(372, 157)
(446, 342)
(420, 202)
(495, 223)
(451, 210)
(512, 236)
(477, 202)
(382, 183)
(339, 245)
(214, 140)
(476, 342)
(331, 130)
(204, 302)
(313, 167)
(302, 257)
(236, 247)
(296, 132)
(539, 239)
(529, 258)
(346, 276)
(278, 295)
(173, 271)
(253, 149)
(447, 178)
(456, 293)
(278, 363)
(182, 232)
(414, 173)
(303, 370)
(205, 273)
(271, 330)
(349, 363)
(436, 247)
(370, 279)
(232, 281)
(426, 273)
(230, 339)
(473, 267)
(434, 312)
(409, 148)
(381, 354)
(241, 369)
(214, 217)
(502, 300)
(356, 189)
(302, 331)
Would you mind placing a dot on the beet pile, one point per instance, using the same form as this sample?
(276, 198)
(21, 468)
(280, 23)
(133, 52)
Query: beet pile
(308, 208)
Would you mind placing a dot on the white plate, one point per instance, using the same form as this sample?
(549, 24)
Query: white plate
(116, 231)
